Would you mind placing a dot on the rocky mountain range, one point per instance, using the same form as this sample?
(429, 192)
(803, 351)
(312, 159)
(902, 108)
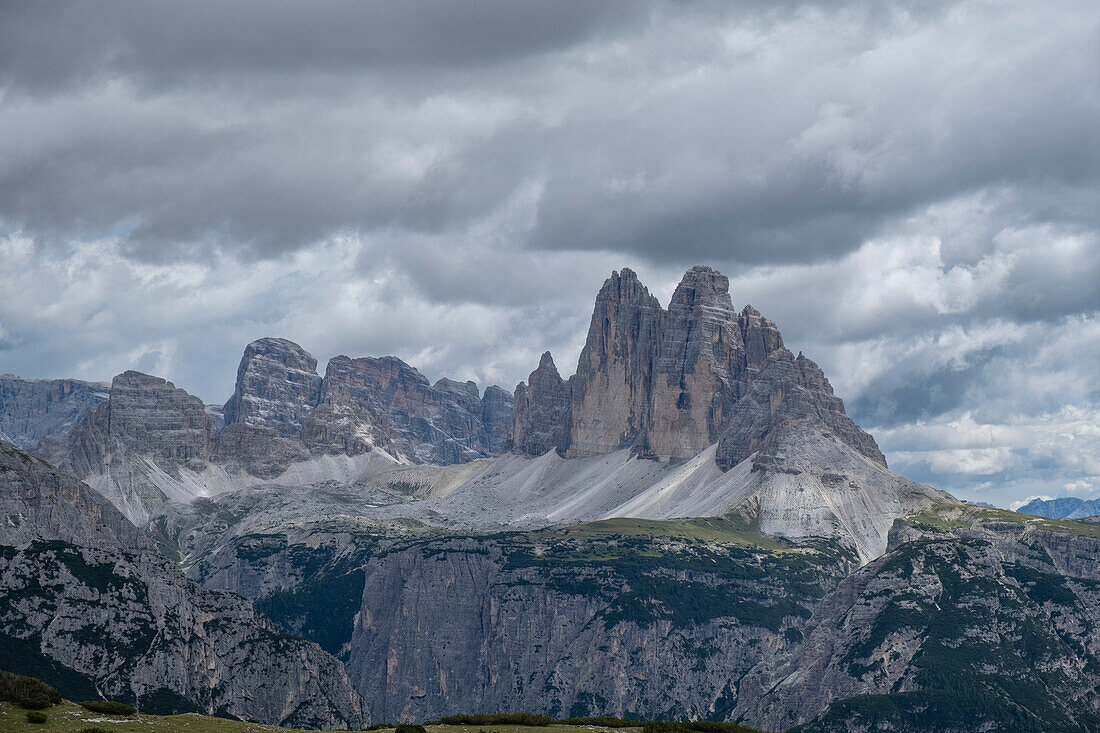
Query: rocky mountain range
(688, 526)
(1064, 507)
(86, 599)
(151, 443)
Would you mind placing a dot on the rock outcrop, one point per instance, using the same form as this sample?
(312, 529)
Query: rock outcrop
(147, 416)
(519, 623)
(37, 501)
(142, 439)
(257, 451)
(277, 387)
(150, 442)
(543, 411)
(498, 408)
(384, 403)
(83, 596)
(669, 383)
(973, 619)
(788, 391)
(31, 409)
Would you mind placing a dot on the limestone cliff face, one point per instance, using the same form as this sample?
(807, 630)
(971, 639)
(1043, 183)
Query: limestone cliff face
(386, 403)
(973, 619)
(257, 451)
(150, 443)
(498, 408)
(543, 411)
(36, 501)
(144, 415)
(613, 386)
(31, 409)
(277, 387)
(670, 383)
(82, 588)
(486, 625)
(701, 368)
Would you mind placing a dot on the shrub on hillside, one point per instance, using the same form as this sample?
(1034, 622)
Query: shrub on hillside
(27, 692)
(409, 728)
(36, 717)
(108, 707)
(497, 719)
(693, 726)
(603, 721)
(379, 726)
(94, 729)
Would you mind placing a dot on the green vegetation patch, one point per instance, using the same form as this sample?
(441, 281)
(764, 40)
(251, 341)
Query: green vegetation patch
(1043, 587)
(27, 692)
(108, 707)
(694, 726)
(321, 608)
(256, 547)
(946, 518)
(706, 529)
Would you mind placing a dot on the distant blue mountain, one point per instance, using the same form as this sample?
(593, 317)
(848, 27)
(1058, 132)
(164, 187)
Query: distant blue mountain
(1064, 507)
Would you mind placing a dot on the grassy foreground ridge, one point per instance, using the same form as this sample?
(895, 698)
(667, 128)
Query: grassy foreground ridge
(28, 704)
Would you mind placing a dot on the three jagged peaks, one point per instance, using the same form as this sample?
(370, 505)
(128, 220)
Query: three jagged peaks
(668, 383)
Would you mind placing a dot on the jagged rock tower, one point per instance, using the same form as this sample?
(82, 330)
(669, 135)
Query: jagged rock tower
(670, 383)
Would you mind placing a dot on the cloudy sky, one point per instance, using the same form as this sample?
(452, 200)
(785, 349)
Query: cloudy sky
(910, 190)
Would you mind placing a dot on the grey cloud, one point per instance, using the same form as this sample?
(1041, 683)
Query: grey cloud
(49, 46)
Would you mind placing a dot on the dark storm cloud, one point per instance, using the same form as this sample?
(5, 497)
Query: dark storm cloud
(48, 46)
(283, 104)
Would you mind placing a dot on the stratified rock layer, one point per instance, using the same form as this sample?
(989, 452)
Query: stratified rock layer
(151, 443)
(613, 386)
(143, 437)
(788, 391)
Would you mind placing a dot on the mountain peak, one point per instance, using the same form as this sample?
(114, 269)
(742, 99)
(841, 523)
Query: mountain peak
(277, 386)
(547, 362)
(670, 383)
(624, 287)
(702, 286)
